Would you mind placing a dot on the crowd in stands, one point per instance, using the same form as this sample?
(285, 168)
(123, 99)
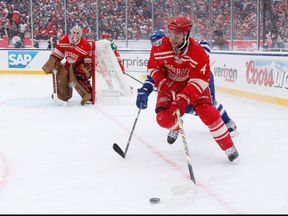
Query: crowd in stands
(48, 15)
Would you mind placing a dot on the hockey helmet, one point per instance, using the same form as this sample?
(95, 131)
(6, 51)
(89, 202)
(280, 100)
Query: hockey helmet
(76, 33)
(105, 36)
(180, 23)
(157, 35)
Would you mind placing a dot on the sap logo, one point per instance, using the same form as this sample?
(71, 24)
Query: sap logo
(20, 59)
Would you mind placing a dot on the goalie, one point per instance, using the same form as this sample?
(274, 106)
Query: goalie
(77, 69)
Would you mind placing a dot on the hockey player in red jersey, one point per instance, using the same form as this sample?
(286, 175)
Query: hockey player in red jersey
(179, 64)
(77, 69)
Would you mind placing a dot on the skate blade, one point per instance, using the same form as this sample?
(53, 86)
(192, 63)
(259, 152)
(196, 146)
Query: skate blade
(234, 133)
(236, 161)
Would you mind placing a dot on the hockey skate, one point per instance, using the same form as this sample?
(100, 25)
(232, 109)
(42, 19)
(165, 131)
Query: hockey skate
(172, 136)
(232, 128)
(232, 154)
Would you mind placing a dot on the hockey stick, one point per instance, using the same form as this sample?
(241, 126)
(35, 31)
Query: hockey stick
(134, 78)
(117, 148)
(55, 96)
(138, 80)
(183, 188)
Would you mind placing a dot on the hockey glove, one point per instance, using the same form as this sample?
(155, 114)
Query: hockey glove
(182, 100)
(166, 86)
(142, 98)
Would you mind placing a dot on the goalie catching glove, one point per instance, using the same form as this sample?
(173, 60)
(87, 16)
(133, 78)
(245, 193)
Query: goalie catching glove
(87, 68)
(181, 101)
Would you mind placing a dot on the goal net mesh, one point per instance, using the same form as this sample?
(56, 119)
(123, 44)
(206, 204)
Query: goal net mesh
(108, 81)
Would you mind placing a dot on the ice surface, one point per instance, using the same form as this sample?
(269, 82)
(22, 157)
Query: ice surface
(56, 159)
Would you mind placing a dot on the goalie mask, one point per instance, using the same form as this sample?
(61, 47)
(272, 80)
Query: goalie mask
(180, 24)
(76, 33)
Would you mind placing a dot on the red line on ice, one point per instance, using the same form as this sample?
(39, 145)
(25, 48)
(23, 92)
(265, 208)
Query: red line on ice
(176, 166)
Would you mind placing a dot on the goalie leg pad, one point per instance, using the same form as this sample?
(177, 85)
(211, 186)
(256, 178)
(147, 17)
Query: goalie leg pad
(82, 86)
(64, 90)
(50, 64)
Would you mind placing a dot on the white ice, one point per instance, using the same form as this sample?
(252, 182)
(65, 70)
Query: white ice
(56, 159)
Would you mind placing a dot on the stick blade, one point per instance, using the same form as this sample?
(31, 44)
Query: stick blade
(183, 188)
(57, 100)
(118, 150)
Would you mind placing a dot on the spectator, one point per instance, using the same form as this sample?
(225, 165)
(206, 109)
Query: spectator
(36, 44)
(285, 42)
(120, 37)
(52, 11)
(59, 32)
(16, 17)
(276, 40)
(18, 43)
(86, 31)
(36, 33)
(43, 33)
(219, 42)
(22, 28)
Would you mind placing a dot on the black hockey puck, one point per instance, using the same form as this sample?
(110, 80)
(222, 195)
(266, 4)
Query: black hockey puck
(154, 200)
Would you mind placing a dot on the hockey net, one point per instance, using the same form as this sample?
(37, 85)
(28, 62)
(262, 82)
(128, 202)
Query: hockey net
(108, 81)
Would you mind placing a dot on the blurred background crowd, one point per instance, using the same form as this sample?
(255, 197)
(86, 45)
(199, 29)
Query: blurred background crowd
(136, 19)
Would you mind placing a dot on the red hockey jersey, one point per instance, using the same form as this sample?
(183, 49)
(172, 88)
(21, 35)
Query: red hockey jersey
(73, 54)
(189, 69)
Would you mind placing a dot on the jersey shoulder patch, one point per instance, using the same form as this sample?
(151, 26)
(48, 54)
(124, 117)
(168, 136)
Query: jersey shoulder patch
(113, 46)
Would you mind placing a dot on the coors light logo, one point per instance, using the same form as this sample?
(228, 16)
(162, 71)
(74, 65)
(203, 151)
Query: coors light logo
(270, 75)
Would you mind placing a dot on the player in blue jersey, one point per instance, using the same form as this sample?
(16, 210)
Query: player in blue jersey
(148, 87)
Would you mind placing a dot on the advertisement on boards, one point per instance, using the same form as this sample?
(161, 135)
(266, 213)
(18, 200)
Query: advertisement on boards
(266, 75)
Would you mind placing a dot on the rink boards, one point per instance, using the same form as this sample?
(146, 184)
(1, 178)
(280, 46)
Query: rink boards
(260, 76)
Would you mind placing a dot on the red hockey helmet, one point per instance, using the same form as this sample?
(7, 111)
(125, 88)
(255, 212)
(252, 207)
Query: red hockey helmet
(180, 23)
(105, 36)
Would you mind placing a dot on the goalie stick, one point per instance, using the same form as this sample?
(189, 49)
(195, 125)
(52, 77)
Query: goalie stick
(117, 148)
(55, 96)
(183, 188)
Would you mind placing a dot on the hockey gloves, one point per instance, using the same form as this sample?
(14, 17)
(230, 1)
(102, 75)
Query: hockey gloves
(166, 86)
(182, 100)
(142, 98)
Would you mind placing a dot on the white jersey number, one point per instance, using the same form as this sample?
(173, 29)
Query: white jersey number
(203, 69)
